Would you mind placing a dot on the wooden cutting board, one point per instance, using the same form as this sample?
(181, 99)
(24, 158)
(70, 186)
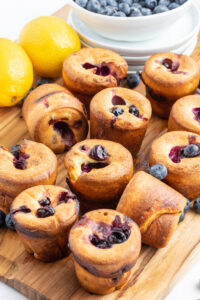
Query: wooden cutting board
(155, 272)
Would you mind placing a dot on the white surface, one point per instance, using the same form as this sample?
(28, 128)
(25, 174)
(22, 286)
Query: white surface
(13, 15)
(183, 30)
(130, 29)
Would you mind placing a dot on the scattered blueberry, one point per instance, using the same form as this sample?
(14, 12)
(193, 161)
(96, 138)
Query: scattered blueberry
(133, 80)
(119, 14)
(187, 207)
(134, 110)
(110, 10)
(98, 153)
(182, 217)
(117, 111)
(102, 11)
(9, 222)
(151, 3)
(136, 5)
(173, 5)
(125, 8)
(159, 171)
(2, 218)
(164, 2)
(160, 9)
(129, 2)
(112, 3)
(146, 11)
(196, 205)
(103, 2)
(93, 6)
(82, 3)
(44, 80)
(135, 12)
(136, 1)
(191, 150)
(180, 2)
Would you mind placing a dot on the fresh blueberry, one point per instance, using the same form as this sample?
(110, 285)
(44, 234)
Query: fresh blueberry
(135, 12)
(129, 2)
(134, 110)
(44, 80)
(9, 222)
(191, 150)
(173, 5)
(2, 218)
(164, 2)
(103, 2)
(146, 11)
(125, 8)
(15, 151)
(136, 5)
(110, 10)
(159, 171)
(196, 205)
(135, 1)
(133, 80)
(102, 11)
(112, 3)
(82, 3)
(119, 14)
(93, 5)
(187, 207)
(151, 3)
(160, 9)
(117, 111)
(182, 217)
(142, 3)
(180, 2)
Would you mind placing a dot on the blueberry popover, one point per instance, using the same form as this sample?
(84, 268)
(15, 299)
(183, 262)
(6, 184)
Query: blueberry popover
(179, 152)
(43, 216)
(120, 115)
(185, 114)
(55, 117)
(154, 206)
(98, 172)
(27, 164)
(91, 70)
(105, 245)
(168, 77)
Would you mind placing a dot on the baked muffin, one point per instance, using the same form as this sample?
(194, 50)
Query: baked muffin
(154, 206)
(185, 114)
(179, 152)
(55, 117)
(105, 245)
(90, 70)
(43, 216)
(168, 77)
(120, 115)
(28, 164)
(98, 172)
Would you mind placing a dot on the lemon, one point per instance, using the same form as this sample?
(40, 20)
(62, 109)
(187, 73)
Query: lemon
(16, 76)
(48, 41)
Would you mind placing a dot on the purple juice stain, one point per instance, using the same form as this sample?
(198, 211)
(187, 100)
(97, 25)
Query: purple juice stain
(66, 133)
(117, 100)
(196, 112)
(87, 167)
(102, 70)
(19, 161)
(63, 197)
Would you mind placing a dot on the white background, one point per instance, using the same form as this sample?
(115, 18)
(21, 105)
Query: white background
(13, 15)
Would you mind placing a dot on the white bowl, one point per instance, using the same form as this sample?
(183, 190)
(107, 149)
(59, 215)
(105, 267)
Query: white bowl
(130, 28)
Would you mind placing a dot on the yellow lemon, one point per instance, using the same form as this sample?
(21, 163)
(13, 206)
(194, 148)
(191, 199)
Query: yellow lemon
(16, 76)
(48, 41)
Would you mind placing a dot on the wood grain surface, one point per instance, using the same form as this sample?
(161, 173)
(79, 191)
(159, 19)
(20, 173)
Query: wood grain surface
(155, 272)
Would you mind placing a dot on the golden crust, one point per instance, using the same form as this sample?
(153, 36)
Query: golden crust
(51, 103)
(85, 81)
(154, 206)
(41, 169)
(182, 117)
(126, 129)
(182, 176)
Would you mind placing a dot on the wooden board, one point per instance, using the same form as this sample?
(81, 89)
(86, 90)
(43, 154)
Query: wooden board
(155, 272)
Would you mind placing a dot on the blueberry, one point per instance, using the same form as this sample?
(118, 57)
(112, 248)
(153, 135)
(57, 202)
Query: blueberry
(146, 11)
(136, 1)
(173, 5)
(119, 14)
(159, 171)
(45, 211)
(180, 2)
(45, 202)
(164, 2)
(129, 2)
(142, 3)
(196, 205)
(102, 11)
(112, 3)
(15, 151)
(182, 217)
(134, 110)
(133, 80)
(191, 150)
(135, 12)
(103, 3)
(117, 111)
(110, 10)
(44, 80)
(98, 153)
(160, 9)
(151, 3)
(2, 218)
(22, 101)
(93, 5)
(187, 207)
(136, 5)
(125, 8)
(9, 222)
(82, 3)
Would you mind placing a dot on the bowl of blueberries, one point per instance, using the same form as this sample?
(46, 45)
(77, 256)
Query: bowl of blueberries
(130, 20)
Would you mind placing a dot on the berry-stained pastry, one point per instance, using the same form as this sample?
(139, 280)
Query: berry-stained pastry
(154, 206)
(185, 114)
(168, 77)
(28, 164)
(105, 245)
(98, 172)
(43, 216)
(179, 151)
(55, 117)
(120, 115)
(91, 70)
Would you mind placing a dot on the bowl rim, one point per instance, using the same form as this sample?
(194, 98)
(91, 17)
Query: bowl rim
(148, 17)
